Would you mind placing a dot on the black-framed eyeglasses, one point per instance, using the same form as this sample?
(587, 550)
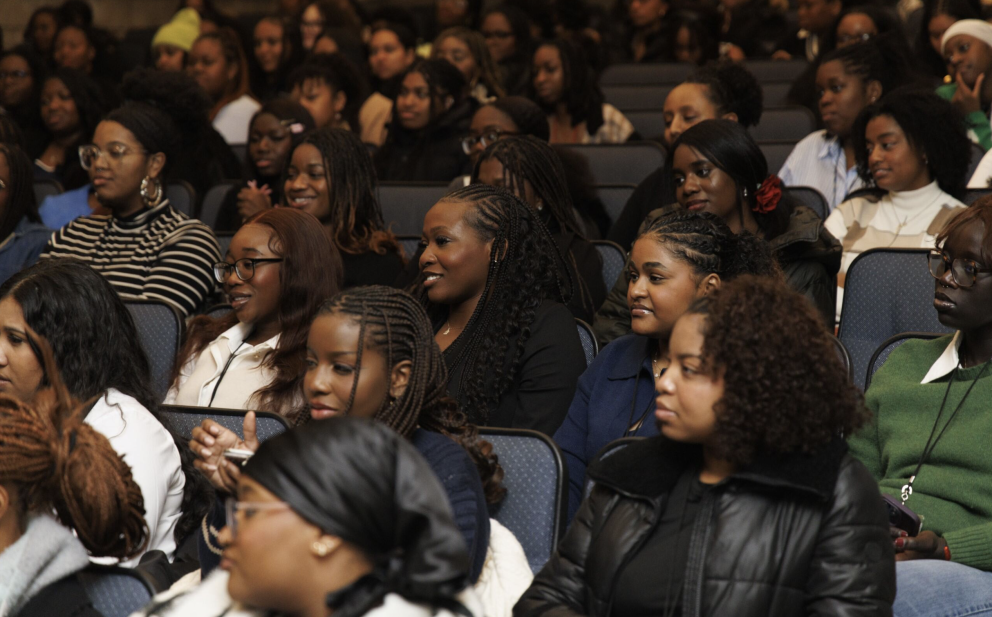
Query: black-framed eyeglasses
(963, 271)
(89, 153)
(244, 268)
(16, 74)
(485, 139)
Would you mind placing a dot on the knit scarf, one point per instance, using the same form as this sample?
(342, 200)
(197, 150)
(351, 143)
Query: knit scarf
(46, 553)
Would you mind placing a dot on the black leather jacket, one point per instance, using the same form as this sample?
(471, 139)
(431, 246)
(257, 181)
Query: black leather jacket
(790, 535)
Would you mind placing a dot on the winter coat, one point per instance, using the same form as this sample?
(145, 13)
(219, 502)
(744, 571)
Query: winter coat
(787, 535)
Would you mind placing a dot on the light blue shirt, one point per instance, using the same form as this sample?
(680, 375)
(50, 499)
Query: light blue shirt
(819, 162)
(57, 211)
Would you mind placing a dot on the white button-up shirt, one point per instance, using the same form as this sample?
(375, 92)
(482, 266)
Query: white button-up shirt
(248, 373)
(947, 362)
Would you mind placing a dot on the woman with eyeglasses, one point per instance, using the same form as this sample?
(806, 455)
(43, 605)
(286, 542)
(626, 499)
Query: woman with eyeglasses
(278, 270)
(927, 447)
(343, 518)
(145, 248)
(467, 51)
(507, 32)
(912, 146)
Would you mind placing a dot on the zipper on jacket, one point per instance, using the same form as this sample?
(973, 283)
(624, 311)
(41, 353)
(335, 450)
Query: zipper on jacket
(693, 583)
(657, 504)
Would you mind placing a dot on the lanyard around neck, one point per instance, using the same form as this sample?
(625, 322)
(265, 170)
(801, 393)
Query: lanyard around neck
(224, 370)
(907, 488)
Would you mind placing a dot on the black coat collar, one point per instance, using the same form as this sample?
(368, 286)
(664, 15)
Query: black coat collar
(650, 467)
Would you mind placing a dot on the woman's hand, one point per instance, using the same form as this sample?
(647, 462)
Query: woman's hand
(926, 545)
(968, 99)
(252, 200)
(209, 442)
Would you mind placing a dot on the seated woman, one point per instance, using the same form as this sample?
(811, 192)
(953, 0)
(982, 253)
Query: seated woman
(718, 168)
(91, 490)
(649, 35)
(274, 52)
(22, 234)
(912, 146)
(392, 50)
(848, 80)
(467, 51)
(71, 107)
(218, 64)
(95, 345)
(967, 48)
(506, 30)
(174, 40)
(397, 377)
(146, 249)
(531, 169)
(278, 270)
(718, 90)
(491, 284)
(946, 565)
(508, 115)
(380, 548)
(680, 257)
(331, 89)
(330, 176)
(19, 95)
(274, 131)
(564, 86)
(430, 116)
(674, 523)
(935, 19)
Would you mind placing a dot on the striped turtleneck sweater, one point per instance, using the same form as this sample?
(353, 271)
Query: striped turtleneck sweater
(157, 254)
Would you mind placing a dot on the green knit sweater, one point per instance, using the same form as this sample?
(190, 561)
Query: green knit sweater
(953, 491)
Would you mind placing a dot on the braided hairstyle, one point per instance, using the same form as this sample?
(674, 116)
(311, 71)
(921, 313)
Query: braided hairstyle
(57, 461)
(392, 320)
(528, 159)
(355, 219)
(706, 243)
(524, 268)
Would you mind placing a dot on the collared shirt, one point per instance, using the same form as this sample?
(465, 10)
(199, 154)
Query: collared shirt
(247, 374)
(818, 161)
(947, 362)
(616, 128)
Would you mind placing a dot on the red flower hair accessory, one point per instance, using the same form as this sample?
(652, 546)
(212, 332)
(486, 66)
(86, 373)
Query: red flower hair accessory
(768, 195)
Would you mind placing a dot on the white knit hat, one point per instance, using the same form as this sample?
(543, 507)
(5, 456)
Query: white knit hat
(981, 30)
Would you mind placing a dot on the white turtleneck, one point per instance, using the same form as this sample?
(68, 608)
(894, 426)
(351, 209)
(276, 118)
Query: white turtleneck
(906, 219)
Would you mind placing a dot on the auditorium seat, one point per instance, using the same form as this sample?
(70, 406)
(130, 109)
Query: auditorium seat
(589, 345)
(182, 197)
(887, 291)
(404, 204)
(116, 591)
(614, 259)
(647, 74)
(791, 123)
(627, 163)
(807, 196)
(46, 187)
(885, 350)
(160, 332)
(184, 418)
(614, 198)
(214, 199)
(535, 478)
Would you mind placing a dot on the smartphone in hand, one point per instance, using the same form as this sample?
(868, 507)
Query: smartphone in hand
(902, 517)
(238, 456)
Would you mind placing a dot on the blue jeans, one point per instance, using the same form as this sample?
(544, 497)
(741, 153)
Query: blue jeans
(929, 588)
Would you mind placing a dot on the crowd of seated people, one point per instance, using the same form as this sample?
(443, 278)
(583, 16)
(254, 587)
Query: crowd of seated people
(673, 332)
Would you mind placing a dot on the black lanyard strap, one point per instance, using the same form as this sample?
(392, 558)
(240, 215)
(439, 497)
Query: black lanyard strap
(907, 488)
(223, 371)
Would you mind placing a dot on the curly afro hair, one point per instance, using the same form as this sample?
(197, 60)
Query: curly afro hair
(785, 388)
(933, 127)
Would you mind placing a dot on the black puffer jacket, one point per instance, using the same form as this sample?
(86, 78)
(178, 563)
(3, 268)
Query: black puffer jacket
(792, 535)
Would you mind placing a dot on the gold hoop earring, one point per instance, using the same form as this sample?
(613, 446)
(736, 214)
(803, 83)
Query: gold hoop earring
(150, 191)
